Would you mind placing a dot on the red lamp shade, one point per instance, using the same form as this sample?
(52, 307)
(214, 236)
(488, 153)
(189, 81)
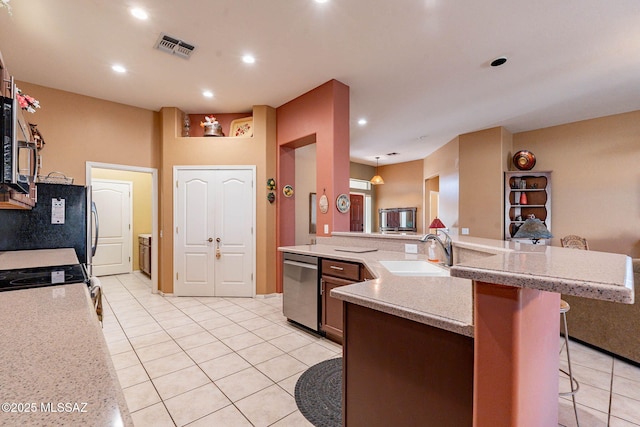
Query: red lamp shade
(436, 223)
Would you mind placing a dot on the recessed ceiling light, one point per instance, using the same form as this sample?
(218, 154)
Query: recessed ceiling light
(207, 94)
(499, 61)
(119, 69)
(362, 122)
(139, 13)
(248, 59)
(321, 1)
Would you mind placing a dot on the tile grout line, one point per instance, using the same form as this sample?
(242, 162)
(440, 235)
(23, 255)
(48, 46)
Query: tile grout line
(141, 304)
(613, 361)
(136, 353)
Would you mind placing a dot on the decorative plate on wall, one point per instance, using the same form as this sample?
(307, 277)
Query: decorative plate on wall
(524, 160)
(343, 203)
(242, 127)
(323, 204)
(287, 191)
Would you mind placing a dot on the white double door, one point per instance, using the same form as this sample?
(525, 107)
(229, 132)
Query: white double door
(214, 237)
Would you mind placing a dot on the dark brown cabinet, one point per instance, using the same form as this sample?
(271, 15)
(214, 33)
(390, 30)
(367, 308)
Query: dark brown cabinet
(335, 274)
(144, 253)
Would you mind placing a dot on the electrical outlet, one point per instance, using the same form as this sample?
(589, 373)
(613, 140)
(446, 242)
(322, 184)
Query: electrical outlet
(465, 230)
(411, 249)
(326, 229)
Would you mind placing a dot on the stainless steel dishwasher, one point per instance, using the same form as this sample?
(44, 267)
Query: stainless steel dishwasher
(300, 292)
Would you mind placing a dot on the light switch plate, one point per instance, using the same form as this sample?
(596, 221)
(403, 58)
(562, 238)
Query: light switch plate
(410, 248)
(465, 230)
(326, 229)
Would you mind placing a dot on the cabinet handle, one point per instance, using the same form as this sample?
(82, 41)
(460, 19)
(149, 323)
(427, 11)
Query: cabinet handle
(333, 267)
(321, 286)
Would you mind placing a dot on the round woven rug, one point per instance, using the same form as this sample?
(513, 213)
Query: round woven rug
(319, 393)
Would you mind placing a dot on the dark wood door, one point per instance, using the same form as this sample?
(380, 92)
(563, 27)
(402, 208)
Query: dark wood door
(357, 212)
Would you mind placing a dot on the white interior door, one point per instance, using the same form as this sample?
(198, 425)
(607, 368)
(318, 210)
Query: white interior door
(214, 240)
(113, 202)
(234, 233)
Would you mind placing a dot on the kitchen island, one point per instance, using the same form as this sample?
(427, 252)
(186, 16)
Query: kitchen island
(510, 375)
(56, 368)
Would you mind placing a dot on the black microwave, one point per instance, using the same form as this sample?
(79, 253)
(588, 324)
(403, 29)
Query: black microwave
(19, 153)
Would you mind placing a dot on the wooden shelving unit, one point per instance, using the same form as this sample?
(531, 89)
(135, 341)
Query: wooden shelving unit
(536, 187)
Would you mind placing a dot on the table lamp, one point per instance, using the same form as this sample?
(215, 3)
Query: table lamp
(435, 224)
(533, 229)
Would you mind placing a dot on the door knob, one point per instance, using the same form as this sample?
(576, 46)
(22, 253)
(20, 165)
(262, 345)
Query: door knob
(210, 239)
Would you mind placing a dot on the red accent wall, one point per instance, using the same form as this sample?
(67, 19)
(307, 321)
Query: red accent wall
(321, 116)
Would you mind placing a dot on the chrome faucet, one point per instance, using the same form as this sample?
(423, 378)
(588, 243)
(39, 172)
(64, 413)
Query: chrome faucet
(447, 246)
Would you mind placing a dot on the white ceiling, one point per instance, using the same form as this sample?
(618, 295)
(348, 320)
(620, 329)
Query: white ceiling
(418, 70)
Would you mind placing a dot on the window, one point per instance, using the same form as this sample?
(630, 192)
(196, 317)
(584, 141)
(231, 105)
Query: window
(359, 184)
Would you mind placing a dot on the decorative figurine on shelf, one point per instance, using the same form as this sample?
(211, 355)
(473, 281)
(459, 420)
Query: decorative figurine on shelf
(523, 198)
(211, 126)
(26, 102)
(186, 125)
(37, 136)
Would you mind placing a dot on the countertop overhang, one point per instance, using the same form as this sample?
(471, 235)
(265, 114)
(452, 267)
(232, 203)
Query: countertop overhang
(447, 302)
(588, 274)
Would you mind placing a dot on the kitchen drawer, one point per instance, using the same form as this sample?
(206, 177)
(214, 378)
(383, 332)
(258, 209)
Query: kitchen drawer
(345, 270)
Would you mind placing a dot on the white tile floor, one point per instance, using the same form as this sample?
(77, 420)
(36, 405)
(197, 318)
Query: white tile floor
(235, 362)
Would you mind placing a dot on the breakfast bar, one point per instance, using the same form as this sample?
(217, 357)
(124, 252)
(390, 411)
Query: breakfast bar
(478, 347)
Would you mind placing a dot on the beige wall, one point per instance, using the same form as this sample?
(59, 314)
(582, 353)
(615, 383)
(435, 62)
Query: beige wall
(443, 163)
(402, 188)
(482, 166)
(79, 128)
(360, 171)
(260, 150)
(431, 185)
(141, 202)
(595, 179)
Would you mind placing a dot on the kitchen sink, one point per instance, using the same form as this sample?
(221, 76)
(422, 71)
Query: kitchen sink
(414, 268)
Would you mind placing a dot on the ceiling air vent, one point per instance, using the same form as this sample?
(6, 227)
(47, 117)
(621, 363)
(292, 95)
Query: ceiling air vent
(174, 46)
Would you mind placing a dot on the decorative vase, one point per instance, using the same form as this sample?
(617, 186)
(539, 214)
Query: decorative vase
(523, 198)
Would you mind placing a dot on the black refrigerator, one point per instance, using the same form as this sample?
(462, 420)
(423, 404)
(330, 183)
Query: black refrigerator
(33, 229)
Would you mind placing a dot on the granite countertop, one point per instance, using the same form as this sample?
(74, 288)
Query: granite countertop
(589, 274)
(10, 260)
(447, 302)
(443, 302)
(56, 366)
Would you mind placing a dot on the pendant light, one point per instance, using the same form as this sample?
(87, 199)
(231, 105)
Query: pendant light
(377, 179)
